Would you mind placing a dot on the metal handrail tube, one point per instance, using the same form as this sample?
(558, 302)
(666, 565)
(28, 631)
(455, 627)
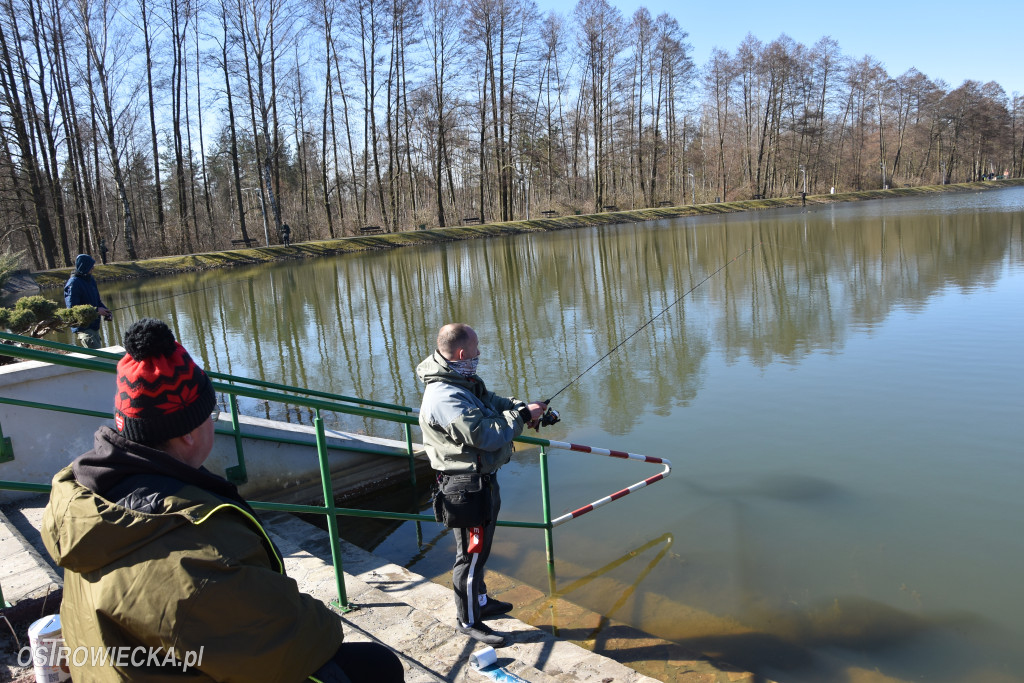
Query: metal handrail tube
(24, 486)
(231, 389)
(109, 355)
(74, 361)
(56, 408)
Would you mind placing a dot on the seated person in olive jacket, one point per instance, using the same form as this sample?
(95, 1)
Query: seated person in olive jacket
(163, 556)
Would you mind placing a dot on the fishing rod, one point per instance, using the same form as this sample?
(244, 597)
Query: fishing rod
(551, 417)
(172, 296)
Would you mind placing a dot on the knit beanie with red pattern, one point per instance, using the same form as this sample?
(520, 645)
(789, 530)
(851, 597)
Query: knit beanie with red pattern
(161, 393)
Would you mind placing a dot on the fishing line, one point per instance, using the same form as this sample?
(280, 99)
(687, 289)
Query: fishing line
(172, 296)
(658, 315)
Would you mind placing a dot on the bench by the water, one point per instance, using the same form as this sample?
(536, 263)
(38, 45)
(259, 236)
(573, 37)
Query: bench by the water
(610, 207)
(242, 243)
(664, 203)
(548, 214)
(471, 220)
(371, 230)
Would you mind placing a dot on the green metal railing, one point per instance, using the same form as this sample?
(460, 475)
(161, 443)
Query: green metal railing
(234, 387)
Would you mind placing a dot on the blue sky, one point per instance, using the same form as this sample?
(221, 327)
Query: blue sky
(954, 41)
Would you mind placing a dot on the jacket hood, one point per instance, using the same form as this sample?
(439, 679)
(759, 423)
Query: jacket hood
(435, 368)
(85, 528)
(84, 263)
(86, 532)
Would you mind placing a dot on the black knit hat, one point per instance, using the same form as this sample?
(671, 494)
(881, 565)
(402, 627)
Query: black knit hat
(161, 393)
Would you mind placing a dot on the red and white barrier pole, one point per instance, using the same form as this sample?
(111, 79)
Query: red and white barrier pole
(618, 494)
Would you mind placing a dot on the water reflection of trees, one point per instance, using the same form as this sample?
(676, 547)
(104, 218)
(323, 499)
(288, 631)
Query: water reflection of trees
(548, 306)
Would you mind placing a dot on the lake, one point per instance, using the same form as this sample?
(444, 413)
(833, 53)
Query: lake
(841, 402)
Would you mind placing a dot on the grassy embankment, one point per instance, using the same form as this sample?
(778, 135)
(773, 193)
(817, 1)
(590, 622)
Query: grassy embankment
(241, 257)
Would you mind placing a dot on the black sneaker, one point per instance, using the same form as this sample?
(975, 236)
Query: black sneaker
(494, 608)
(484, 633)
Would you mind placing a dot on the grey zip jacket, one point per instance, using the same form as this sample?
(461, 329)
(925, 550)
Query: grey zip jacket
(466, 428)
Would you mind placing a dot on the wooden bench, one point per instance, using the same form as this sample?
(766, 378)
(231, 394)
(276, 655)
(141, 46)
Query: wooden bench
(664, 203)
(471, 220)
(610, 207)
(548, 214)
(242, 243)
(371, 230)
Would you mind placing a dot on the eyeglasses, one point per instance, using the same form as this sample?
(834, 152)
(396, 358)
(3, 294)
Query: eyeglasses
(215, 415)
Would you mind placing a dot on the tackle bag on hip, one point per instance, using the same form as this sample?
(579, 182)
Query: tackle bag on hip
(462, 500)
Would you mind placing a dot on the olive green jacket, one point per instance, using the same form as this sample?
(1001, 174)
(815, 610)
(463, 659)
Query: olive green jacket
(195, 573)
(466, 428)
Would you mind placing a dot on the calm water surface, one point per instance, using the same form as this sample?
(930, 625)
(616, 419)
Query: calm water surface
(842, 406)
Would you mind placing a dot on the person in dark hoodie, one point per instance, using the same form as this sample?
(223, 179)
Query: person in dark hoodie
(161, 554)
(81, 289)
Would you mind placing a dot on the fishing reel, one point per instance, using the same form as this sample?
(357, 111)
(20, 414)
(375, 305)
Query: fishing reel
(549, 418)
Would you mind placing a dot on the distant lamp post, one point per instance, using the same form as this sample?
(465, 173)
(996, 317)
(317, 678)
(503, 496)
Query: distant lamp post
(884, 186)
(942, 166)
(693, 186)
(803, 174)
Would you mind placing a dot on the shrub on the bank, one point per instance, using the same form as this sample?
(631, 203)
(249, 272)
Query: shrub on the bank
(37, 316)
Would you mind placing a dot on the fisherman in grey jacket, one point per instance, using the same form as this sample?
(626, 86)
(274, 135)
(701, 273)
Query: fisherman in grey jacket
(467, 428)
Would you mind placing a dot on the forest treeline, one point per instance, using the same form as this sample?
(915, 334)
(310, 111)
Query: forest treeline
(152, 127)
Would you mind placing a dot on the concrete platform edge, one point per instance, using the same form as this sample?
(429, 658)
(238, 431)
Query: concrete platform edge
(415, 617)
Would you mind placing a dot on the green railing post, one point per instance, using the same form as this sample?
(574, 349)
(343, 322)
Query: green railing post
(332, 513)
(6, 452)
(236, 474)
(412, 454)
(545, 493)
(412, 479)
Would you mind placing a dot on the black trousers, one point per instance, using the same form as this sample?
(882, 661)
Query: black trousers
(468, 572)
(361, 663)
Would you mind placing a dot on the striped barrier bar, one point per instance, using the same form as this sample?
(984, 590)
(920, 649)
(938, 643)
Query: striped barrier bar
(618, 494)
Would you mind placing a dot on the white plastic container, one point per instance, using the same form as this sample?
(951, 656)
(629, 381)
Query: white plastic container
(483, 658)
(46, 641)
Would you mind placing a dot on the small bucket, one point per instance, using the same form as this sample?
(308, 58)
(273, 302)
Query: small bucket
(46, 643)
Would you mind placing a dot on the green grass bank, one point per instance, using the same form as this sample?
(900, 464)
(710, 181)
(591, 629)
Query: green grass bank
(47, 279)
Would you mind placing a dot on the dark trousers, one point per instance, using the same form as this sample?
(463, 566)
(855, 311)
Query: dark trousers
(361, 663)
(468, 573)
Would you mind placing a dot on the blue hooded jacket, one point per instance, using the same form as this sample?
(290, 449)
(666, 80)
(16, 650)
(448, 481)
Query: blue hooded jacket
(81, 289)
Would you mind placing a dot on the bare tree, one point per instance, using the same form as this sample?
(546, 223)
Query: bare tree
(444, 21)
(600, 38)
(107, 56)
(718, 81)
(224, 40)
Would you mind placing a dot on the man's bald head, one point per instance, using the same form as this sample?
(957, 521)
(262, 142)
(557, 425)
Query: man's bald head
(455, 337)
